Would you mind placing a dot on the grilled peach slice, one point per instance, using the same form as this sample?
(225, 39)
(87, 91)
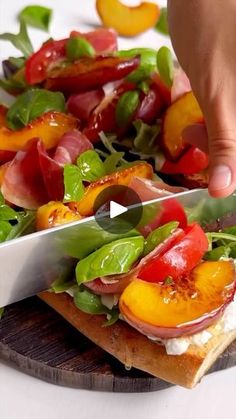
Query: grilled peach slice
(182, 113)
(121, 177)
(49, 127)
(127, 21)
(54, 213)
(169, 311)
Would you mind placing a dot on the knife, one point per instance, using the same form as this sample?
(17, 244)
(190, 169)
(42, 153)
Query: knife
(30, 264)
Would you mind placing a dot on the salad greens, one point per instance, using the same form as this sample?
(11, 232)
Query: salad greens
(20, 41)
(74, 188)
(162, 24)
(116, 257)
(126, 107)
(158, 235)
(222, 244)
(147, 65)
(32, 104)
(165, 65)
(36, 16)
(91, 166)
(78, 47)
(146, 135)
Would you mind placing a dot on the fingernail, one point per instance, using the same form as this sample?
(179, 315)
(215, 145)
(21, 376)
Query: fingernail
(220, 178)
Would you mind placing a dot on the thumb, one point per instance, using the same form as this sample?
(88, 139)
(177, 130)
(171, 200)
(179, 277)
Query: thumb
(222, 154)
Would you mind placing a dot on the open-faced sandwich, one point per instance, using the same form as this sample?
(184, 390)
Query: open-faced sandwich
(85, 117)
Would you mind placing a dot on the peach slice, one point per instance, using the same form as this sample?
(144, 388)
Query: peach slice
(182, 113)
(49, 127)
(127, 21)
(54, 213)
(168, 311)
(121, 177)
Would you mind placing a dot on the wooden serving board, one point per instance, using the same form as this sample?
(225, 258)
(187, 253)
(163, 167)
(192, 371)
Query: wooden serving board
(35, 339)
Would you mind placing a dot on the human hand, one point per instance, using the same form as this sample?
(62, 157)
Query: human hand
(204, 37)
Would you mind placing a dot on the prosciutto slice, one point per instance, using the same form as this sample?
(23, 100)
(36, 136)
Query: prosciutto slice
(33, 178)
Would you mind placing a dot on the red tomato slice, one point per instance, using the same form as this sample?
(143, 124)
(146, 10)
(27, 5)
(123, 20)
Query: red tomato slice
(192, 161)
(180, 259)
(37, 65)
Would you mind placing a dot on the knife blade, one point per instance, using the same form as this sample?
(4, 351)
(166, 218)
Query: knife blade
(30, 264)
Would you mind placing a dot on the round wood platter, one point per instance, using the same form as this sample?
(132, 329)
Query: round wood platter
(35, 339)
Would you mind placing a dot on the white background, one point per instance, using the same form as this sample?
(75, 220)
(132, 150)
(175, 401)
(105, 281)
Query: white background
(23, 397)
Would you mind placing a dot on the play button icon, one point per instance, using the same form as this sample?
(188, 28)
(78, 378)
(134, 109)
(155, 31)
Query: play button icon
(118, 209)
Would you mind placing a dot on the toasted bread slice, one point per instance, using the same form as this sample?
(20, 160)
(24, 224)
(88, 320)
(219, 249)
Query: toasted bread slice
(135, 350)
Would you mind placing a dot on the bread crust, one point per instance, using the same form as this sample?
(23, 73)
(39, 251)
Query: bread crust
(135, 350)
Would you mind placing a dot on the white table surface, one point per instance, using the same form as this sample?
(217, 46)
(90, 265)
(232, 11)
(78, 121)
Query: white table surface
(24, 397)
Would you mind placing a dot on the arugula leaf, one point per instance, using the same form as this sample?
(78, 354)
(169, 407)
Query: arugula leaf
(5, 228)
(165, 65)
(162, 24)
(7, 213)
(36, 16)
(158, 236)
(74, 188)
(78, 47)
(91, 166)
(114, 258)
(112, 162)
(1, 312)
(89, 303)
(20, 41)
(12, 85)
(215, 236)
(126, 107)
(230, 230)
(31, 105)
(146, 137)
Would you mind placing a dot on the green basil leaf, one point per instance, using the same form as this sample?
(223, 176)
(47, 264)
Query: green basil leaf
(32, 104)
(62, 284)
(36, 16)
(78, 47)
(113, 317)
(217, 253)
(89, 303)
(147, 63)
(112, 161)
(5, 228)
(20, 41)
(91, 166)
(74, 188)
(78, 246)
(145, 140)
(162, 24)
(1, 312)
(2, 200)
(165, 65)
(7, 213)
(158, 236)
(114, 258)
(26, 224)
(126, 107)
